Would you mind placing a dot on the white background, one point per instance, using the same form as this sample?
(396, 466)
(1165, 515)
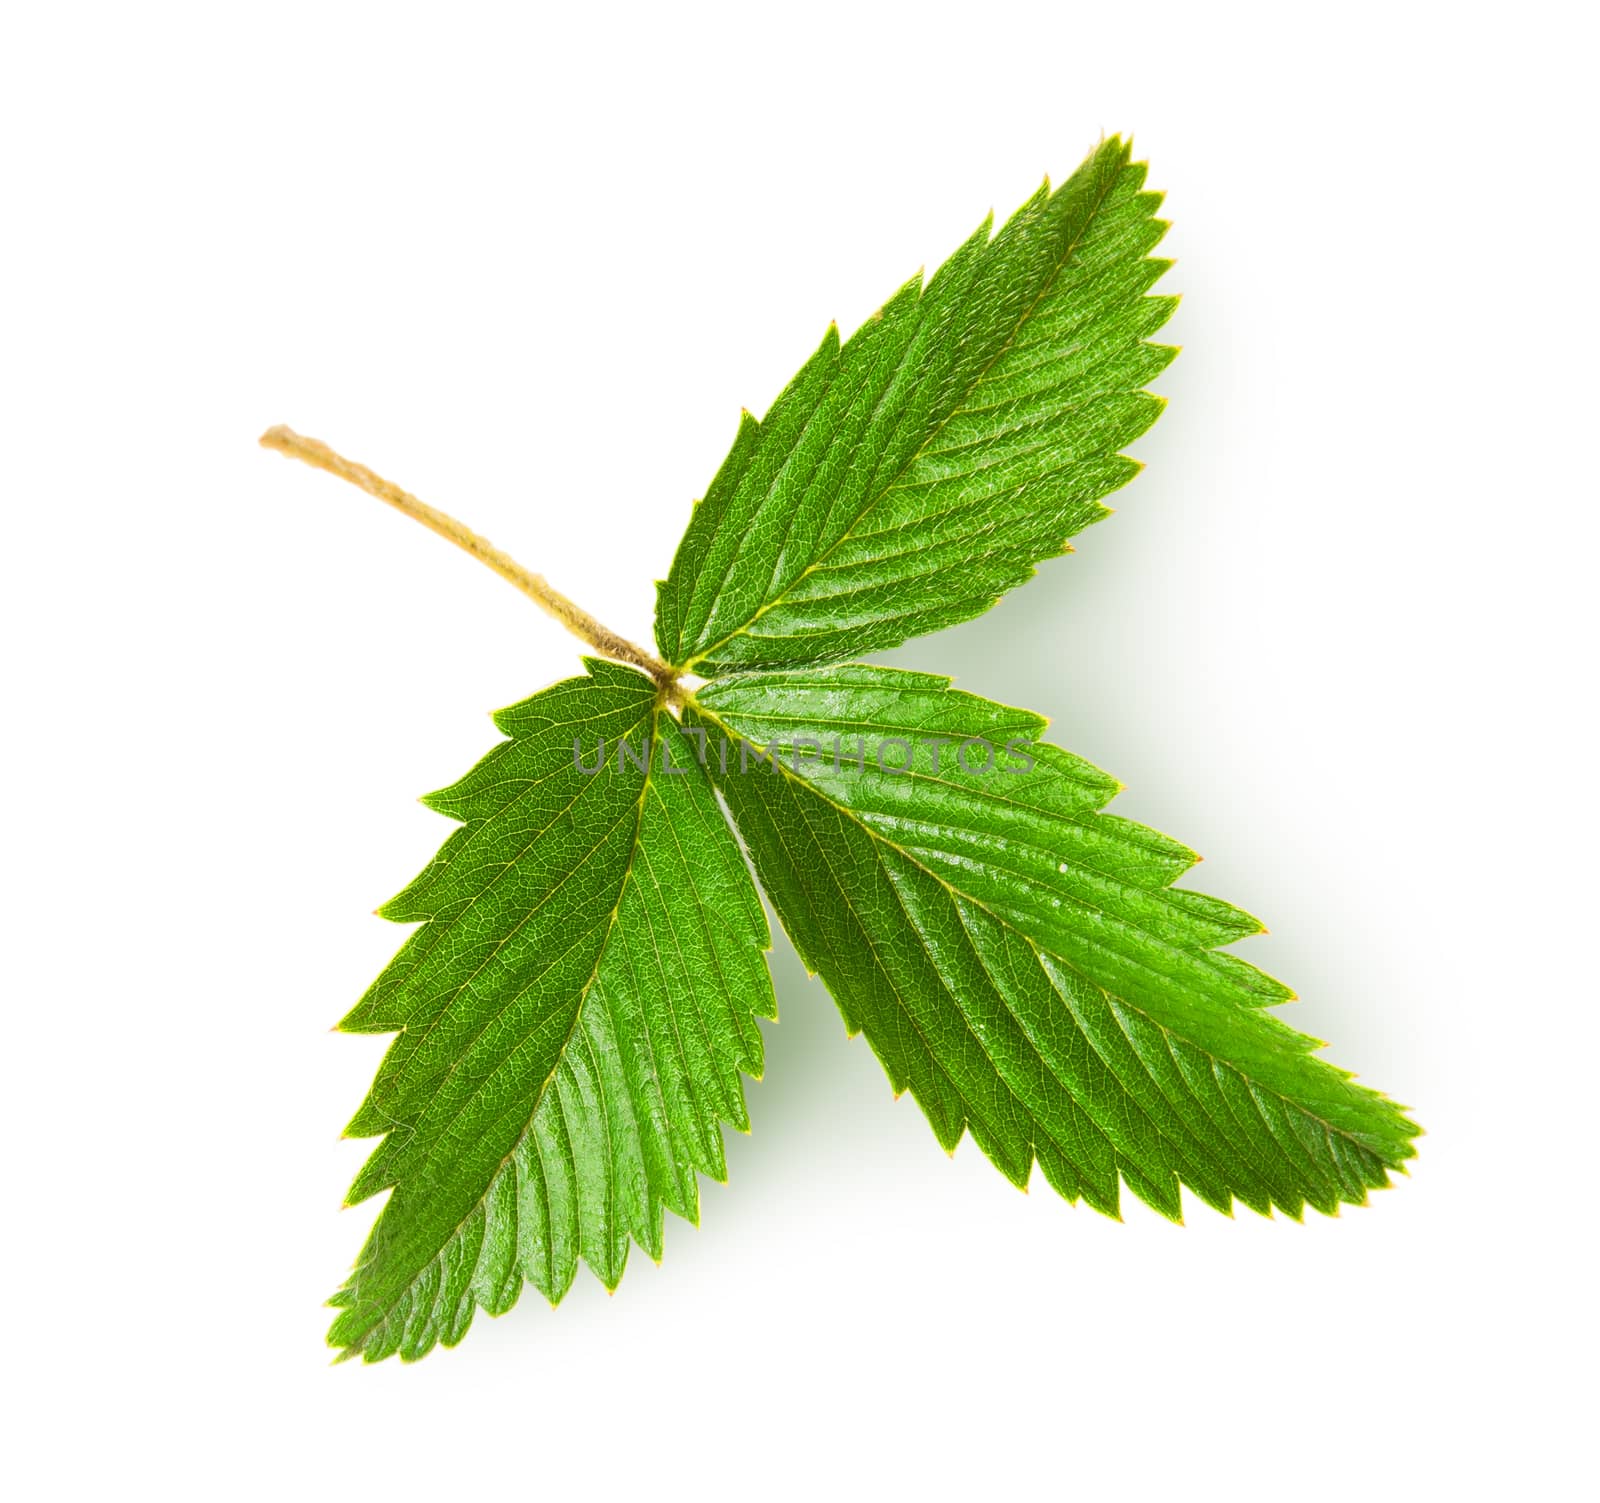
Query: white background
(1339, 637)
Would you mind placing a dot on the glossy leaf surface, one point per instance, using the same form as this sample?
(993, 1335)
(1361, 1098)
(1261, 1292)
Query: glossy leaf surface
(573, 1015)
(577, 1007)
(906, 479)
(1020, 961)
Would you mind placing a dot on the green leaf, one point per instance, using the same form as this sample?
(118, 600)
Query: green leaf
(1019, 960)
(573, 1016)
(577, 1008)
(906, 479)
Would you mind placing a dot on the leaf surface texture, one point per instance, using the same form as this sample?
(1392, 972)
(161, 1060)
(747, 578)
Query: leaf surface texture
(906, 479)
(576, 1010)
(573, 1018)
(1019, 960)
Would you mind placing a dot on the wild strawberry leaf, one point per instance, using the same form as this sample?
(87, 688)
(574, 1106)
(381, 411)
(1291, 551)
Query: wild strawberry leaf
(573, 1016)
(906, 479)
(577, 1006)
(1019, 960)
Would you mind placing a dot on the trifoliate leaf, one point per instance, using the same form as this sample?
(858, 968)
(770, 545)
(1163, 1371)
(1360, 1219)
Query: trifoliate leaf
(573, 1016)
(1020, 961)
(906, 479)
(577, 1007)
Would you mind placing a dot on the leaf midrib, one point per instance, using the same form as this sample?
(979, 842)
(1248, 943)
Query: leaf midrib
(387, 1308)
(875, 493)
(962, 897)
(1179, 1149)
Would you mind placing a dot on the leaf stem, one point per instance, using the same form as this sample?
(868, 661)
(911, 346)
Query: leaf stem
(536, 587)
